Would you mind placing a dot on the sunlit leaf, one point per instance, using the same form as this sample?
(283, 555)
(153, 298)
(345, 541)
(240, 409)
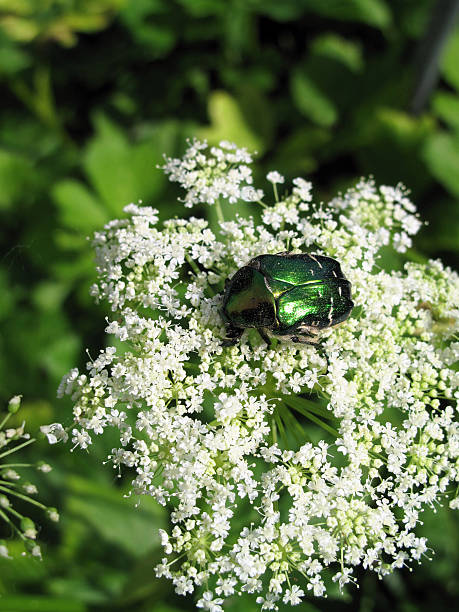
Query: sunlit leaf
(229, 123)
(311, 101)
(78, 208)
(450, 60)
(446, 106)
(123, 172)
(115, 518)
(372, 12)
(16, 177)
(441, 154)
(335, 47)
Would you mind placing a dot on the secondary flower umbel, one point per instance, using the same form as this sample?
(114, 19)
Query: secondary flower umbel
(14, 489)
(287, 463)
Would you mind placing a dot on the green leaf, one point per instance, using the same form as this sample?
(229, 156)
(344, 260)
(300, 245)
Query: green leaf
(12, 59)
(311, 101)
(59, 351)
(446, 106)
(8, 296)
(449, 66)
(49, 295)
(442, 231)
(147, 20)
(115, 518)
(340, 49)
(371, 12)
(280, 11)
(203, 8)
(394, 134)
(300, 152)
(139, 584)
(441, 154)
(229, 123)
(16, 177)
(122, 172)
(78, 208)
(19, 569)
(36, 603)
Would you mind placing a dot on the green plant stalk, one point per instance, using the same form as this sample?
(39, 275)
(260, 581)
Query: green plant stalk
(16, 448)
(24, 497)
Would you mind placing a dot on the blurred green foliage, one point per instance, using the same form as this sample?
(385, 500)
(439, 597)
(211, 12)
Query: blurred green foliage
(93, 93)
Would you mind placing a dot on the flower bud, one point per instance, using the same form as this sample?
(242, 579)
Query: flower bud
(14, 404)
(28, 528)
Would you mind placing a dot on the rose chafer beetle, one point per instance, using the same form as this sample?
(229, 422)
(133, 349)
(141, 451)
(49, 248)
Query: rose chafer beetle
(287, 295)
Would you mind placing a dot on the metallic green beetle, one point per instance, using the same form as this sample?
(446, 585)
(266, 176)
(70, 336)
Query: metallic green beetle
(292, 296)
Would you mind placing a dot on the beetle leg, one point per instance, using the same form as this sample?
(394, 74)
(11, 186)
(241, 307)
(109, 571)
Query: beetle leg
(311, 340)
(233, 335)
(324, 354)
(264, 336)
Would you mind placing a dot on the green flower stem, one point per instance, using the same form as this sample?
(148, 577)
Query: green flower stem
(262, 204)
(197, 271)
(5, 420)
(15, 512)
(312, 417)
(291, 422)
(274, 430)
(16, 448)
(7, 519)
(192, 263)
(304, 404)
(8, 483)
(24, 497)
(218, 208)
(280, 427)
(15, 465)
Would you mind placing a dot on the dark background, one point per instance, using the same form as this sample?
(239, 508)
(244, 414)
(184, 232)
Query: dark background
(93, 93)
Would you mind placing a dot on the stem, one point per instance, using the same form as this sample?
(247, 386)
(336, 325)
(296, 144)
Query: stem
(304, 404)
(7, 416)
(281, 427)
(218, 208)
(274, 430)
(262, 204)
(197, 271)
(8, 483)
(16, 448)
(7, 519)
(14, 513)
(291, 422)
(24, 497)
(193, 265)
(312, 417)
(276, 195)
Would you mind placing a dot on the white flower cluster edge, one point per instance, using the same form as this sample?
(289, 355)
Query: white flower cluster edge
(209, 430)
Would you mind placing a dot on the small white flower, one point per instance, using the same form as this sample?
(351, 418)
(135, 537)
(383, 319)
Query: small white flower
(208, 603)
(274, 177)
(294, 595)
(55, 433)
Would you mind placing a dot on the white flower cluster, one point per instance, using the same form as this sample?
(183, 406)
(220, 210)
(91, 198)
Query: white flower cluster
(13, 488)
(286, 462)
(211, 174)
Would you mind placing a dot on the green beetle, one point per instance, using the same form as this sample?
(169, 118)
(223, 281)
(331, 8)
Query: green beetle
(287, 295)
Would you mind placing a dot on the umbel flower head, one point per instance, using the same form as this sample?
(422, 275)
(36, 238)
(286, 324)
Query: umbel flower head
(13, 488)
(284, 467)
